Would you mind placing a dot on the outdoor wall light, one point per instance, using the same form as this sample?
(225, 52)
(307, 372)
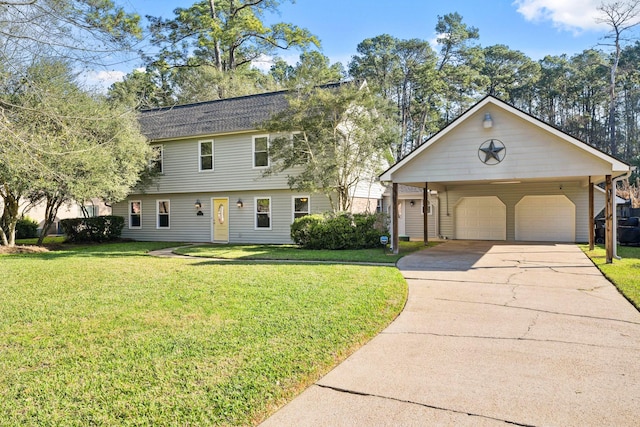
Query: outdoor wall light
(198, 206)
(412, 203)
(239, 203)
(487, 122)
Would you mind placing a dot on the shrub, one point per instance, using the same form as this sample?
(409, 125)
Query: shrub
(305, 228)
(96, 229)
(26, 228)
(338, 231)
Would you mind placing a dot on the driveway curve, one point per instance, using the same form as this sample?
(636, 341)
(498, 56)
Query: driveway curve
(492, 334)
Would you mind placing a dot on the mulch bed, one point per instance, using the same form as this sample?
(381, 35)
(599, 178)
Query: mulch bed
(22, 249)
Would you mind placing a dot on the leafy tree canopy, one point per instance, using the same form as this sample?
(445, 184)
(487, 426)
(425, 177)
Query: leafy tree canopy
(330, 137)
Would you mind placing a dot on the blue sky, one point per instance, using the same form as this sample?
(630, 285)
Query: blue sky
(535, 27)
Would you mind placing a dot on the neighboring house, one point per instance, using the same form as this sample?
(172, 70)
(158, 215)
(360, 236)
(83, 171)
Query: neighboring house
(211, 157)
(501, 174)
(411, 210)
(95, 207)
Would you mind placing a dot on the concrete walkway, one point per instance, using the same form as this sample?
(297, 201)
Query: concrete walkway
(492, 334)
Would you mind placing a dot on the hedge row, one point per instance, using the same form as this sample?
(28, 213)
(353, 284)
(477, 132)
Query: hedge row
(338, 231)
(95, 229)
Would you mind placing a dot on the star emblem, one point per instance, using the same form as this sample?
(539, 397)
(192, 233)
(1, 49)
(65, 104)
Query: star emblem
(492, 152)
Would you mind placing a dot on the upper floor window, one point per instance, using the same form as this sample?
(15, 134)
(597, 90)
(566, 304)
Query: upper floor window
(156, 159)
(301, 206)
(263, 213)
(260, 151)
(163, 210)
(206, 155)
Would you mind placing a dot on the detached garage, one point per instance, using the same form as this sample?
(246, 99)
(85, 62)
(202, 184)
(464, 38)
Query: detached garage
(501, 174)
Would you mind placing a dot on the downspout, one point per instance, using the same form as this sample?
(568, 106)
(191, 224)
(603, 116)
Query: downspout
(615, 211)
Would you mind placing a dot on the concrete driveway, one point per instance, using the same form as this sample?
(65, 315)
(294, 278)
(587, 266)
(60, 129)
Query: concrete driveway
(492, 334)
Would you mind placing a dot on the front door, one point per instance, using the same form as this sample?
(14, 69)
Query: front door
(220, 219)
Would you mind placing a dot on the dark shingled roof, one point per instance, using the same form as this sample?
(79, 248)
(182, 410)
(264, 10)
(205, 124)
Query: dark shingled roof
(211, 117)
(244, 113)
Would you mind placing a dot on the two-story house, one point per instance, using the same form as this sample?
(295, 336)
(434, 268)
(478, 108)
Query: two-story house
(211, 158)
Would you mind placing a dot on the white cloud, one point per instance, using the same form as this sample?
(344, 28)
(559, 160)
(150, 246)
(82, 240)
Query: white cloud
(570, 15)
(103, 79)
(264, 62)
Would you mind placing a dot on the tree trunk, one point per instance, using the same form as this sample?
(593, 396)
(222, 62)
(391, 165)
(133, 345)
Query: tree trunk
(217, 52)
(51, 210)
(10, 215)
(613, 146)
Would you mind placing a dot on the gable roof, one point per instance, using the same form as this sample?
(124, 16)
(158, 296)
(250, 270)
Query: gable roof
(212, 117)
(616, 164)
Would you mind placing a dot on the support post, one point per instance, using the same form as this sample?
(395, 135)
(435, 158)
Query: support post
(425, 215)
(394, 210)
(592, 229)
(608, 214)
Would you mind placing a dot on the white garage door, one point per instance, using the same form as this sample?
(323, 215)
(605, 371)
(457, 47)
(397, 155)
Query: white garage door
(546, 219)
(481, 218)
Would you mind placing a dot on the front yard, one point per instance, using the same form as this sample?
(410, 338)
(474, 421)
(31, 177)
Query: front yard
(292, 252)
(106, 335)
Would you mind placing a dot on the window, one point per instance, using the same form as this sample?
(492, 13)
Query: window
(163, 209)
(155, 164)
(260, 151)
(206, 155)
(135, 214)
(300, 206)
(300, 147)
(263, 213)
(429, 208)
(88, 211)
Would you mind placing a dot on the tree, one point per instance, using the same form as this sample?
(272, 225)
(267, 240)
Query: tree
(402, 71)
(313, 69)
(140, 90)
(459, 64)
(82, 31)
(509, 72)
(341, 133)
(620, 16)
(66, 144)
(206, 52)
(428, 88)
(226, 35)
(630, 93)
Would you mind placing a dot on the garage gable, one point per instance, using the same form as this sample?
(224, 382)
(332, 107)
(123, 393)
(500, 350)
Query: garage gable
(515, 146)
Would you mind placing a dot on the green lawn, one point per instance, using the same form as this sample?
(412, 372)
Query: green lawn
(292, 252)
(624, 273)
(48, 240)
(106, 335)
